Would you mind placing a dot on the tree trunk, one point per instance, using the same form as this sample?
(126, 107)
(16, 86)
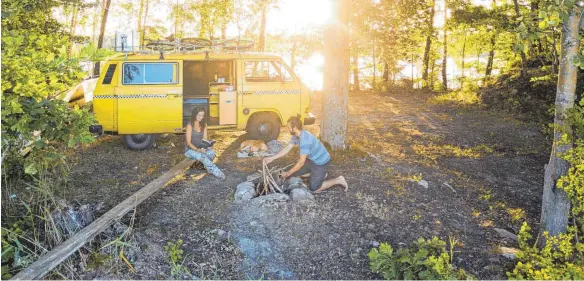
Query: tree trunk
(462, 63)
(555, 206)
(385, 74)
(101, 33)
(336, 77)
(143, 35)
(72, 30)
(262, 41)
(94, 25)
(491, 57)
(523, 57)
(140, 26)
(293, 55)
(356, 70)
(556, 61)
(374, 67)
(445, 54)
(427, 50)
(224, 31)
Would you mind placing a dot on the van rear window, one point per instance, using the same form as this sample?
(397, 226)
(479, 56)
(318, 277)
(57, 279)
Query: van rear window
(150, 73)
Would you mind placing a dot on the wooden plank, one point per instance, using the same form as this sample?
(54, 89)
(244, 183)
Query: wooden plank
(53, 258)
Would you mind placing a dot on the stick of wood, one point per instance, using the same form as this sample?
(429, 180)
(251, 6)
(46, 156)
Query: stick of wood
(53, 258)
(276, 186)
(446, 184)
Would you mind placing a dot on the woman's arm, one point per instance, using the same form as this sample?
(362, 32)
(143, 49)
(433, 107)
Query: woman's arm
(205, 133)
(188, 138)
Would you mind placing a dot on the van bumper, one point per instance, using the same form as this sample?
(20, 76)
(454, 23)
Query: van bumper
(310, 119)
(96, 129)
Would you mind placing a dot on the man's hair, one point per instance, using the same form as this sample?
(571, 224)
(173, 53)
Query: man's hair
(295, 122)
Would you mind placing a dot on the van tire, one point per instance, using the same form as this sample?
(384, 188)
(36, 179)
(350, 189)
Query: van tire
(138, 141)
(264, 126)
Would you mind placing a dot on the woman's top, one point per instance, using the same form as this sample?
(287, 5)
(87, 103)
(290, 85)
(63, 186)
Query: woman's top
(196, 138)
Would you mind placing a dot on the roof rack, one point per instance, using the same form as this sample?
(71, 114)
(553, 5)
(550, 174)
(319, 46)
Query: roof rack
(198, 45)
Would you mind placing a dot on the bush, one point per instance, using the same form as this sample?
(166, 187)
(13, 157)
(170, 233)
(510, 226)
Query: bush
(562, 256)
(425, 260)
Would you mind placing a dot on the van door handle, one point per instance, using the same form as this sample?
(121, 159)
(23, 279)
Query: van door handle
(247, 93)
(172, 96)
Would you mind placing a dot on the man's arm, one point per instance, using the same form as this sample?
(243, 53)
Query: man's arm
(282, 152)
(296, 167)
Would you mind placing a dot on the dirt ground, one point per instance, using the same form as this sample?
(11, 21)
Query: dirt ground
(492, 162)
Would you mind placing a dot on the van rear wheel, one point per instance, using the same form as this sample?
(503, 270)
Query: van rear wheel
(264, 126)
(138, 141)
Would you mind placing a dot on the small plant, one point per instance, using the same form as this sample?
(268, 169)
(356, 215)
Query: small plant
(425, 260)
(416, 178)
(175, 257)
(560, 258)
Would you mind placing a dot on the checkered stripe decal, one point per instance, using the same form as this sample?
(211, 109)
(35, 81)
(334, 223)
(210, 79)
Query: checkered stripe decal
(274, 92)
(144, 96)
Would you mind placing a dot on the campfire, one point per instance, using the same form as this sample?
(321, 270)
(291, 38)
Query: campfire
(269, 182)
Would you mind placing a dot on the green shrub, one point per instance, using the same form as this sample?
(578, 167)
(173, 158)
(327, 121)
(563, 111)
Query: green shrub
(562, 256)
(425, 260)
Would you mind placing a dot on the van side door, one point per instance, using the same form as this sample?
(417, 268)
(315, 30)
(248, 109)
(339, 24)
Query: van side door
(150, 97)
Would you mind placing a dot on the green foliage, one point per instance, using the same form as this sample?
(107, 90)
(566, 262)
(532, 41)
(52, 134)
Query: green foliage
(559, 259)
(425, 260)
(562, 256)
(36, 70)
(175, 257)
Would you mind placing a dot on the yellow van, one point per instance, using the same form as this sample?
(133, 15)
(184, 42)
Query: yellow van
(141, 95)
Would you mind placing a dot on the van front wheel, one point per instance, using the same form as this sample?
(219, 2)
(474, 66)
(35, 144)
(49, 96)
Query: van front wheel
(264, 126)
(138, 141)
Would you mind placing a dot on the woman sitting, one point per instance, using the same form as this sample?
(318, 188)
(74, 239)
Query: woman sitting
(196, 132)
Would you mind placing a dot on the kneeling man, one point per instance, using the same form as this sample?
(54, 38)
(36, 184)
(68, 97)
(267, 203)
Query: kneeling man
(314, 158)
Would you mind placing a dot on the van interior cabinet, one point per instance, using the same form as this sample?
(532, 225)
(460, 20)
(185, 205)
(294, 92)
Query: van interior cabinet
(227, 108)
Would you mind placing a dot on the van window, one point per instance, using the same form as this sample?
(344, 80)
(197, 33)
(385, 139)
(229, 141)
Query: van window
(149, 73)
(286, 76)
(261, 71)
(109, 74)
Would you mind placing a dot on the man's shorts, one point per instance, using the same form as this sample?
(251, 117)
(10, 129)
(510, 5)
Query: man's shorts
(317, 173)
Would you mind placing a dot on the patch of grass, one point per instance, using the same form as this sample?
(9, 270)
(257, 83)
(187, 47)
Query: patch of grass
(416, 217)
(433, 152)
(516, 214)
(465, 97)
(415, 178)
(175, 257)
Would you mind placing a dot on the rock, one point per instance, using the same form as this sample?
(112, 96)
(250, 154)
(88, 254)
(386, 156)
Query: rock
(254, 176)
(301, 194)
(510, 253)
(244, 192)
(271, 198)
(294, 181)
(70, 219)
(221, 233)
(374, 244)
(506, 234)
(423, 183)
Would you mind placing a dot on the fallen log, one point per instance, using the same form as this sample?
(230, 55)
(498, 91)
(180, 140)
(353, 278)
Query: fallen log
(57, 255)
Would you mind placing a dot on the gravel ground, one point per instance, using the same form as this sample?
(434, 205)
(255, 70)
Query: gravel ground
(492, 163)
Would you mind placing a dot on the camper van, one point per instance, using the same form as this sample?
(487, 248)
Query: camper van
(140, 95)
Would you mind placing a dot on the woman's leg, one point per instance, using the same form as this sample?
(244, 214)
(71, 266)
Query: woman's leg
(203, 158)
(210, 153)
